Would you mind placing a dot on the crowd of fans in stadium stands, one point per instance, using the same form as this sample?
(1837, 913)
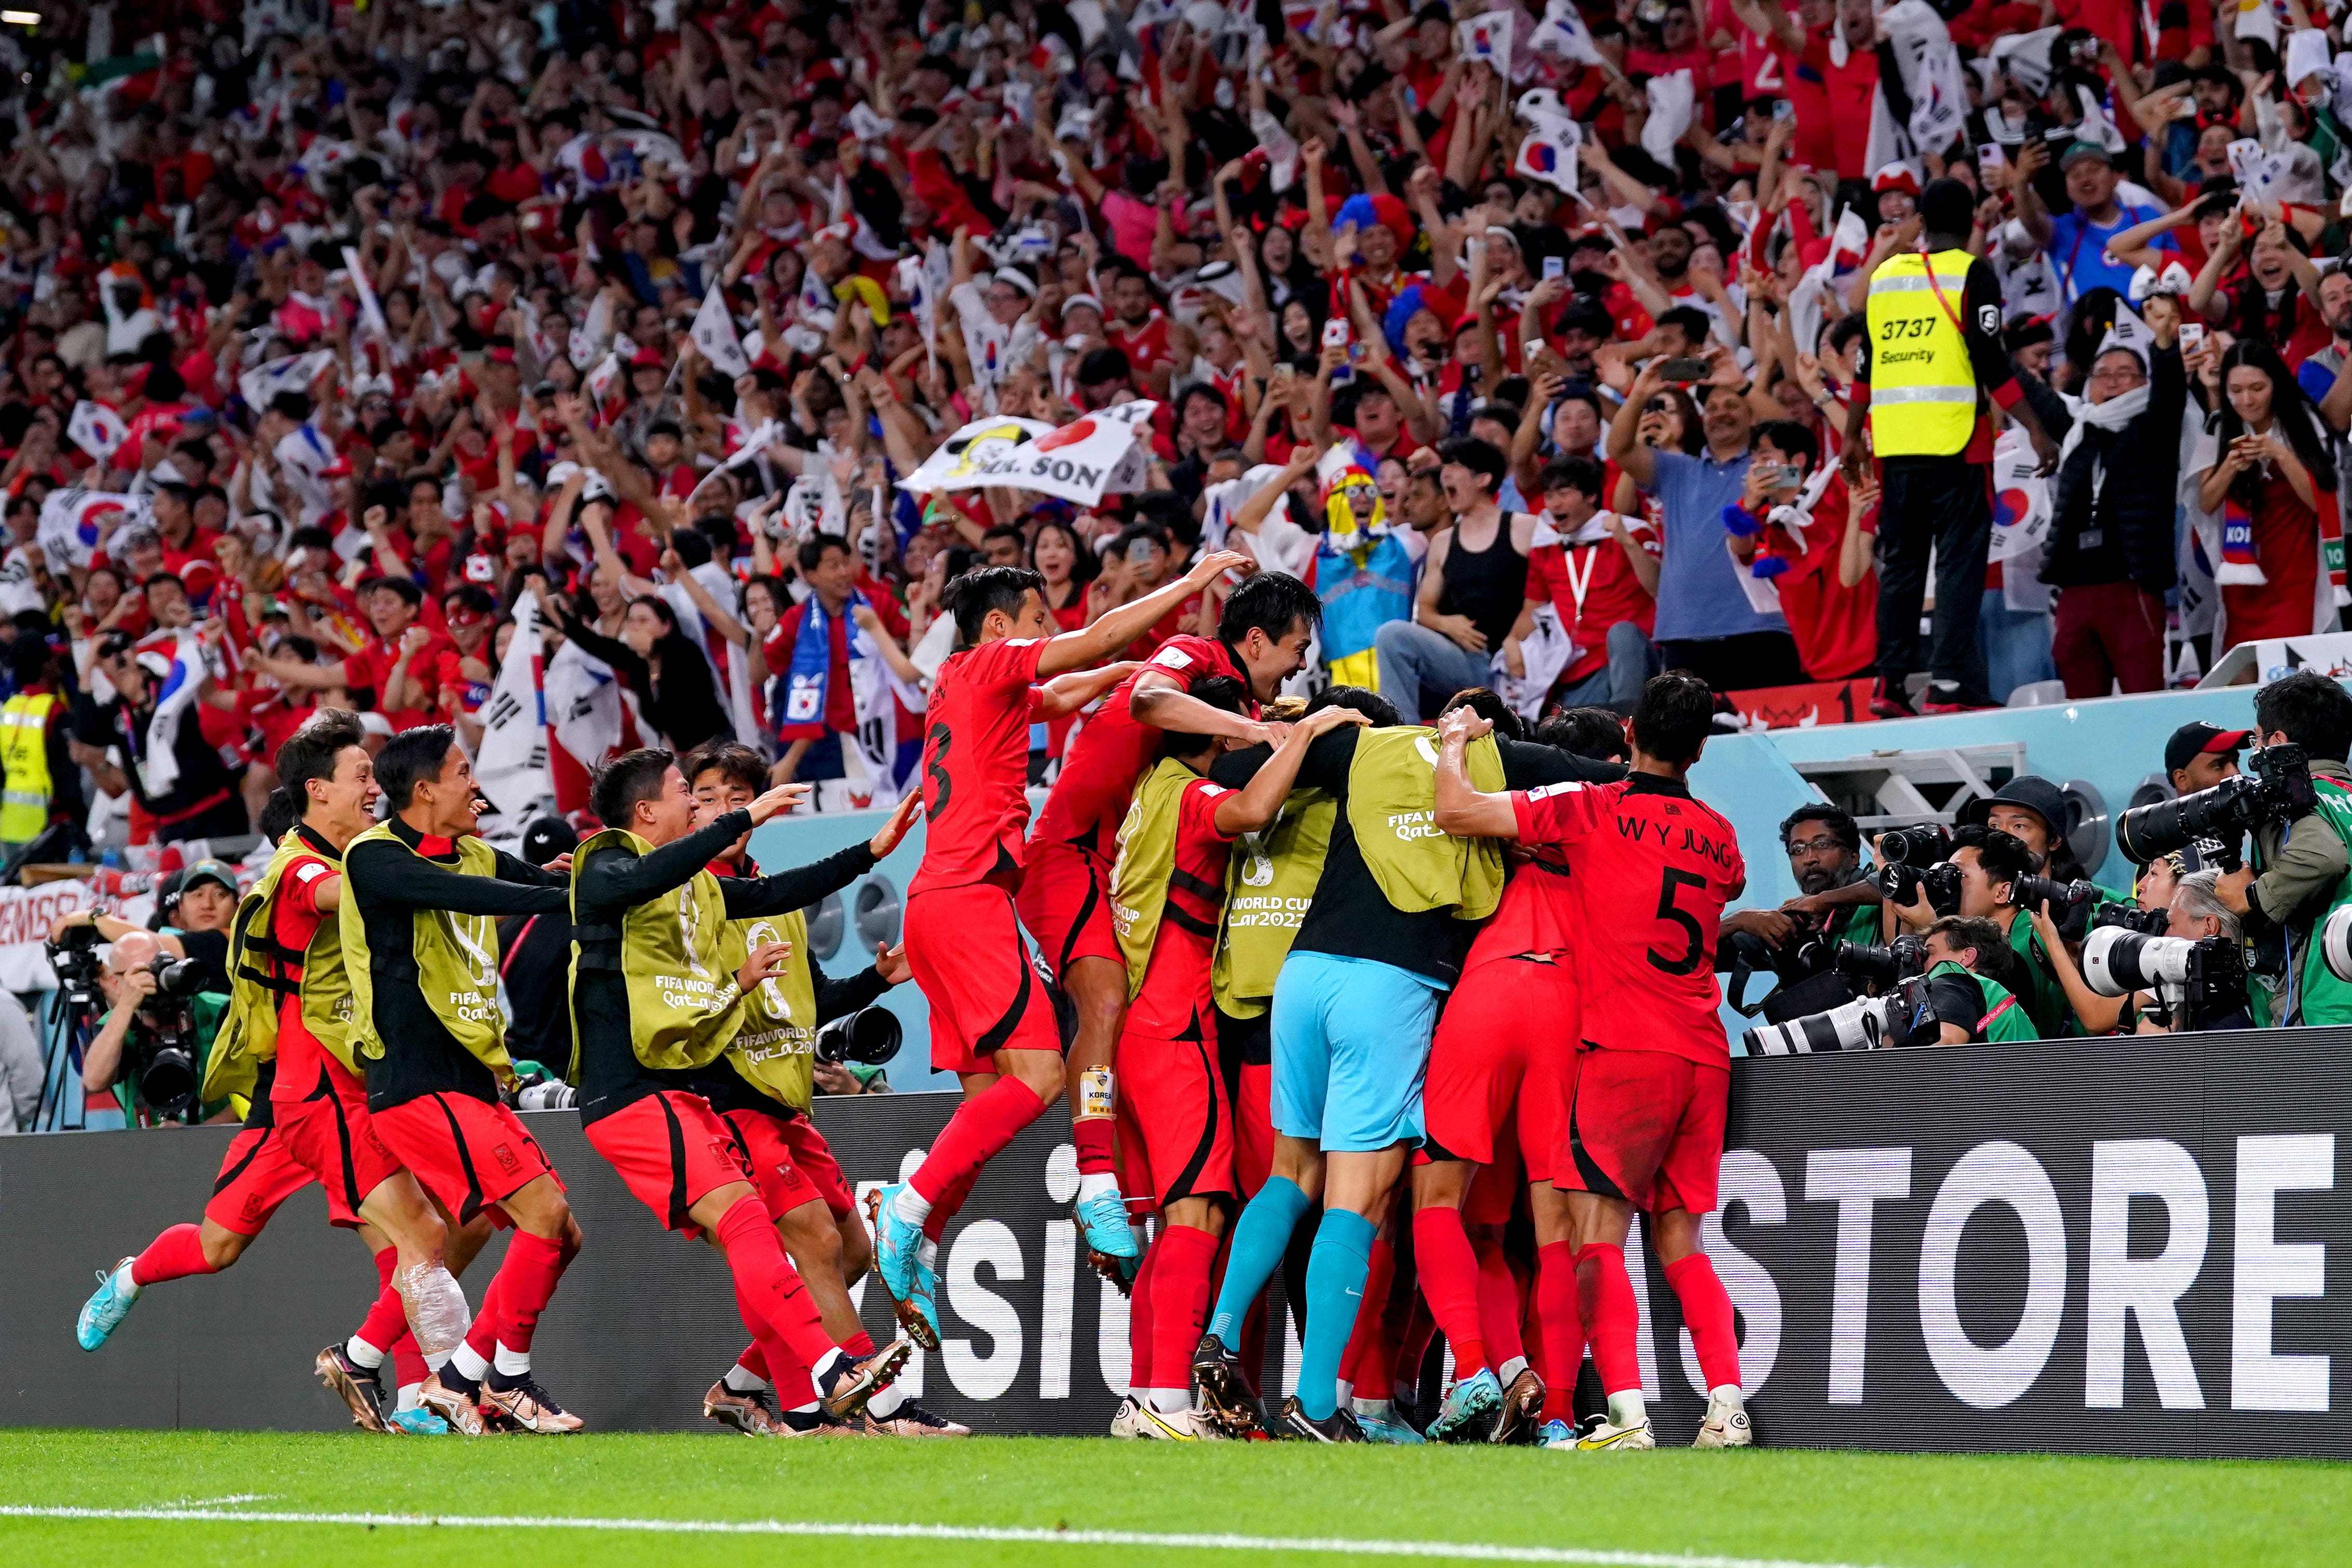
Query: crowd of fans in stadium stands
(1530, 354)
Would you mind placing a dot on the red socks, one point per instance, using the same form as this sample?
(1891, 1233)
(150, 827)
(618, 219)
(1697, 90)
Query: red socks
(1500, 1307)
(174, 1254)
(1142, 1349)
(1562, 1322)
(1707, 1313)
(1449, 1280)
(387, 1320)
(977, 1132)
(1093, 1139)
(1179, 1296)
(1610, 1316)
(519, 1293)
(767, 1287)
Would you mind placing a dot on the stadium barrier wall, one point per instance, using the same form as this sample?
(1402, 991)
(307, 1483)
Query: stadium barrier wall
(2102, 1246)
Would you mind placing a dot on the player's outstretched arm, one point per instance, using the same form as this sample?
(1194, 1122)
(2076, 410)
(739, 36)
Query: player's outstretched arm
(1463, 810)
(1249, 809)
(1119, 628)
(1161, 701)
(1065, 694)
(384, 875)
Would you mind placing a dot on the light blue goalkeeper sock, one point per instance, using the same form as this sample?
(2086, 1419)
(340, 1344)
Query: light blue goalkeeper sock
(1336, 1270)
(1260, 1237)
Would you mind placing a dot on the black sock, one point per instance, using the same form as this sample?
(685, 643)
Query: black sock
(803, 1420)
(500, 1382)
(458, 1382)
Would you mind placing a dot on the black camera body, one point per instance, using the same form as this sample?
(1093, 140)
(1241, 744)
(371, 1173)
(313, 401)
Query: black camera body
(1883, 967)
(870, 1036)
(2278, 790)
(73, 957)
(1922, 845)
(1900, 882)
(2147, 922)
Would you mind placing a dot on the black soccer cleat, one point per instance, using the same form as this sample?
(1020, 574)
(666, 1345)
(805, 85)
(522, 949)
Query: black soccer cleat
(355, 1385)
(1339, 1427)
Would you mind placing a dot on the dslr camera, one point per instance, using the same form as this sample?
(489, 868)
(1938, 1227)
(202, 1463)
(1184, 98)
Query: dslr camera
(1863, 1024)
(870, 1036)
(1911, 859)
(1883, 967)
(73, 956)
(2122, 917)
(2199, 982)
(2278, 790)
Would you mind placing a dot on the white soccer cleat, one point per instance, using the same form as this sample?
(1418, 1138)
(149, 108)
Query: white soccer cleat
(1727, 1424)
(1604, 1434)
(1126, 1420)
(1187, 1425)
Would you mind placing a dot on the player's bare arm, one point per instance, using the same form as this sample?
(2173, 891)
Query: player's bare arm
(1065, 694)
(1161, 701)
(1119, 628)
(1462, 809)
(1250, 809)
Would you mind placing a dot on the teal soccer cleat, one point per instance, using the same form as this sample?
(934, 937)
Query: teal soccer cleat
(1102, 1218)
(899, 1259)
(1556, 1434)
(1468, 1403)
(1383, 1425)
(107, 1307)
(417, 1422)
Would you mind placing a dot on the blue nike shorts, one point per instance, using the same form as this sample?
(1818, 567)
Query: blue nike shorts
(1350, 1047)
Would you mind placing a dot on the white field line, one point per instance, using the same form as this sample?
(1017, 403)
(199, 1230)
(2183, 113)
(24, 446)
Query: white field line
(1456, 1550)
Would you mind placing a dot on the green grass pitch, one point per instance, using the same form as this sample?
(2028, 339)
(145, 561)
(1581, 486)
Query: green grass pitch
(1730, 1510)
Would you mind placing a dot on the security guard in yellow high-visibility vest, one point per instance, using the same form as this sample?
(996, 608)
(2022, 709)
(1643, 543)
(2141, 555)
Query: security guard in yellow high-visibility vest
(1936, 357)
(41, 782)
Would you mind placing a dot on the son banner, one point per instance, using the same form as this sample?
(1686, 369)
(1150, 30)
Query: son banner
(2118, 1246)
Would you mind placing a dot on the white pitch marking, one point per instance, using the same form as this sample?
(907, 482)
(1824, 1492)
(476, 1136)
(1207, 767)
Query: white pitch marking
(1338, 1545)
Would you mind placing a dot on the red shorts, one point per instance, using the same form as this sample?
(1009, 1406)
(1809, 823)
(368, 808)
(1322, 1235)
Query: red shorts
(1252, 1102)
(672, 1152)
(965, 949)
(1503, 1055)
(330, 1133)
(256, 1174)
(1173, 1112)
(1066, 904)
(469, 1153)
(790, 1160)
(1647, 1127)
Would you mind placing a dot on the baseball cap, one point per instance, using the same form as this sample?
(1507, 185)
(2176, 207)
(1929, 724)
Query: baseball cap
(2084, 149)
(2191, 740)
(208, 871)
(546, 838)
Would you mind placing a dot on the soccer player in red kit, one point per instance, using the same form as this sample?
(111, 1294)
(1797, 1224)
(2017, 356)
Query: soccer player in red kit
(1262, 636)
(992, 1023)
(1654, 869)
(1177, 1129)
(1501, 1065)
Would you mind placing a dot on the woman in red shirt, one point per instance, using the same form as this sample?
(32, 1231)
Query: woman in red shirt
(2266, 471)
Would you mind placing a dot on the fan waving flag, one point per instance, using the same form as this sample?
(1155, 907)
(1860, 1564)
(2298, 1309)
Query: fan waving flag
(72, 519)
(1488, 39)
(159, 764)
(510, 765)
(715, 337)
(1547, 152)
(1563, 33)
(295, 372)
(96, 429)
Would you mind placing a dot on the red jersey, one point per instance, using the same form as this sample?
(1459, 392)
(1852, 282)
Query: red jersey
(976, 764)
(1591, 585)
(1539, 914)
(1653, 868)
(1835, 627)
(294, 919)
(1089, 797)
(1175, 993)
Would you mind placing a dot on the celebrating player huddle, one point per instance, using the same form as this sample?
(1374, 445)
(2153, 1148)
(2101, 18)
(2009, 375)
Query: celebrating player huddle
(1317, 960)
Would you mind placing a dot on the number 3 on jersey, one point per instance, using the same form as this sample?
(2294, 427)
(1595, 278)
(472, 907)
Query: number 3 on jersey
(1695, 953)
(934, 766)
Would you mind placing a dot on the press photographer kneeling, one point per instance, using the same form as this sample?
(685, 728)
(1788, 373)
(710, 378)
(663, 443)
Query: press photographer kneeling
(151, 1049)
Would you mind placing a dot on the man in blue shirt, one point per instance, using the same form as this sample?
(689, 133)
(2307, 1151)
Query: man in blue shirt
(1706, 624)
(2077, 241)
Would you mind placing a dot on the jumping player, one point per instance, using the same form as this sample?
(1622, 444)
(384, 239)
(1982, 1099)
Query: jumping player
(1653, 868)
(420, 945)
(992, 1023)
(1167, 894)
(1262, 637)
(762, 1088)
(653, 1006)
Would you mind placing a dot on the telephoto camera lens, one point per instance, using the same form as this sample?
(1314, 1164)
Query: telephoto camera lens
(2117, 962)
(1921, 845)
(868, 1037)
(1858, 1026)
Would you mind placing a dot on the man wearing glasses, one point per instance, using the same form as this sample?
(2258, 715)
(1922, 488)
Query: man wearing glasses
(2110, 553)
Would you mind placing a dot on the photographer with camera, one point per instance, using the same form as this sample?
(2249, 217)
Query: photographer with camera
(1835, 901)
(2198, 913)
(1979, 878)
(1964, 1003)
(2201, 755)
(159, 1027)
(2301, 868)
